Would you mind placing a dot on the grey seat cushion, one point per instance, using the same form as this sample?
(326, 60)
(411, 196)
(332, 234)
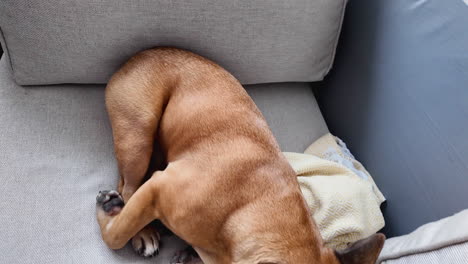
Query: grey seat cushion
(56, 153)
(68, 41)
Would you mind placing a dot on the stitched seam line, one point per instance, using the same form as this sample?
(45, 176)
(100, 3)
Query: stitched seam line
(7, 52)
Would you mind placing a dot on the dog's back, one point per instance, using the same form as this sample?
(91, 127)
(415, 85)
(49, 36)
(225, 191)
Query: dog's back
(227, 190)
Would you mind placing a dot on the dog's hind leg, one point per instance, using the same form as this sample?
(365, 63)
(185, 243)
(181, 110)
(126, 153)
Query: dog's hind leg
(135, 108)
(133, 143)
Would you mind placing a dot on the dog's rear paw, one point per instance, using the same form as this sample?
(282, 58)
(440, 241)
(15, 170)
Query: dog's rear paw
(187, 256)
(146, 242)
(110, 202)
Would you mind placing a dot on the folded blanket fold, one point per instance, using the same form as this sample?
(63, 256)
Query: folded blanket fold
(342, 196)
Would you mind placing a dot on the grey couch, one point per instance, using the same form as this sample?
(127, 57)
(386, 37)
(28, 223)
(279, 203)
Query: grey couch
(55, 139)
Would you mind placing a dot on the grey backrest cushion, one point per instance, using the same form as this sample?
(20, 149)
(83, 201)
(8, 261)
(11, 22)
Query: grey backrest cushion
(262, 41)
(398, 96)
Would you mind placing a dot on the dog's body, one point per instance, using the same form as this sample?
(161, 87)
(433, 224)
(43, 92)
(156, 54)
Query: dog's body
(227, 189)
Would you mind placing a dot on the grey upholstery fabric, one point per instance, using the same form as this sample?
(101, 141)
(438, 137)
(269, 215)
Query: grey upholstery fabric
(56, 153)
(455, 254)
(292, 113)
(67, 41)
(398, 97)
(444, 241)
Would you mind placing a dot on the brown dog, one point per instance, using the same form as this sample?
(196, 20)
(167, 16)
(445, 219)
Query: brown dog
(227, 189)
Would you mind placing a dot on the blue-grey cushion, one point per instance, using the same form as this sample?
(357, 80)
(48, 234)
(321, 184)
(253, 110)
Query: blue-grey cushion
(262, 41)
(56, 153)
(398, 96)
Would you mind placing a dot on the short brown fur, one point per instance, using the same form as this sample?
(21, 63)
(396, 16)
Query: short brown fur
(227, 189)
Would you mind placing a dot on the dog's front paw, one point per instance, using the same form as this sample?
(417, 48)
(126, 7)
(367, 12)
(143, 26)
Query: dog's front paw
(110, 202)
(146, 242)
(187, 256)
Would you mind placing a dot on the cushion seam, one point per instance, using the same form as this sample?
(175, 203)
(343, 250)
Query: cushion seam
(7, 52)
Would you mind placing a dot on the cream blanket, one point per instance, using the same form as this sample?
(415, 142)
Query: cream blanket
(342, 196)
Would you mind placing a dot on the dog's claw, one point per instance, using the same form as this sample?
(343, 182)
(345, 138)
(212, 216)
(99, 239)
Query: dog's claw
(146, 242)
(186, 256)
(110, 202)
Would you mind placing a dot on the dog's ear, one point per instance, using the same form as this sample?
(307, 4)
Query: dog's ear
(364, 251)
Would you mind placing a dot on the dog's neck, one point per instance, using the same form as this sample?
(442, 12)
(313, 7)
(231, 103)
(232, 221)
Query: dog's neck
(261, 236)
(265, 251)
(256, 251)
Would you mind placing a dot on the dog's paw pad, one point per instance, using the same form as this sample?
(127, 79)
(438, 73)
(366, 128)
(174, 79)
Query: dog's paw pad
(110, 201)
(186, 256)
(146, 242)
